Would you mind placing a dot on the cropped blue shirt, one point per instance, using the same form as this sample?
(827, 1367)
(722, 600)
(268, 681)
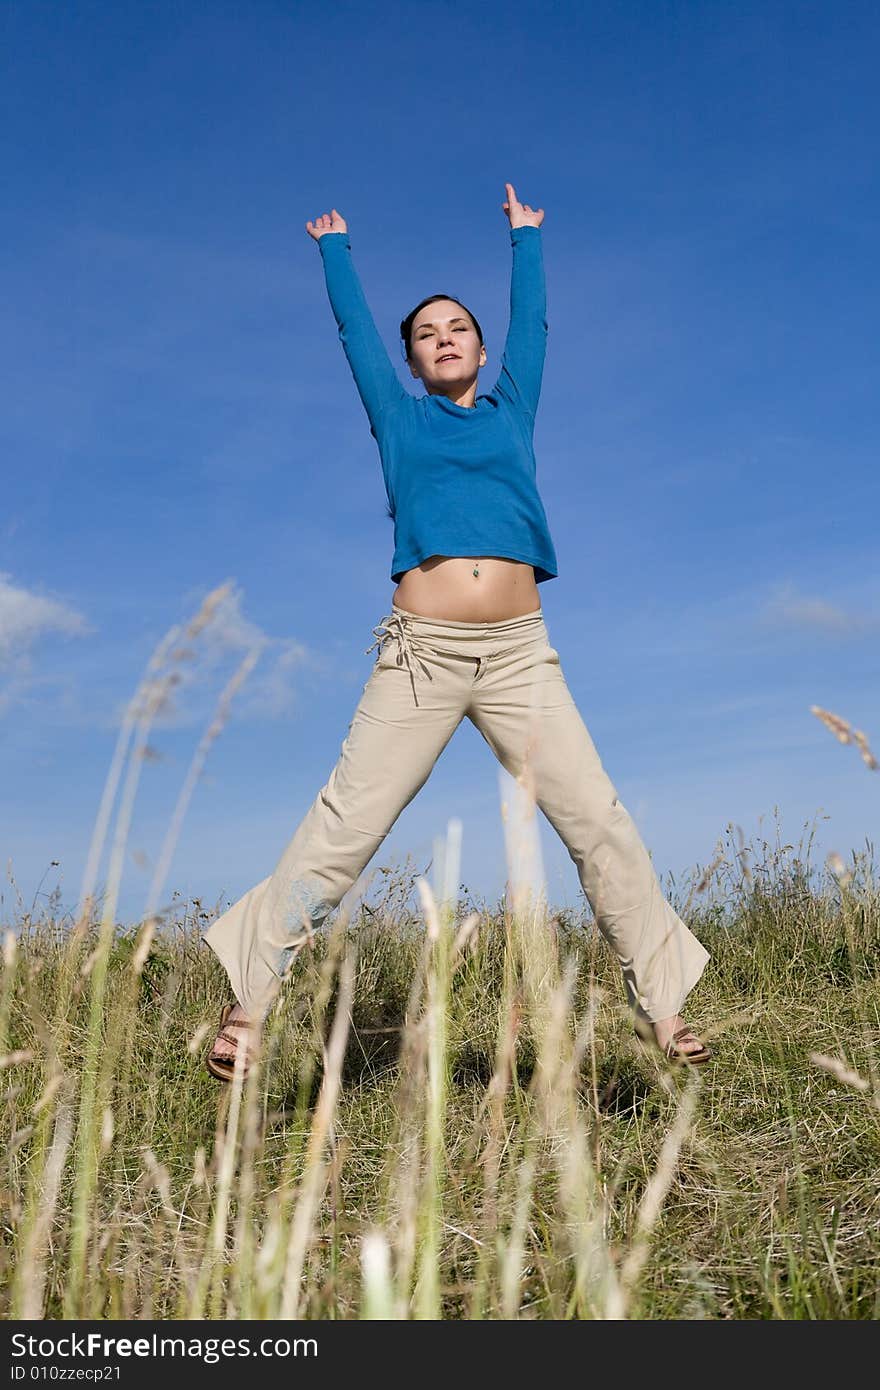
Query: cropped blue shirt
(460, 479)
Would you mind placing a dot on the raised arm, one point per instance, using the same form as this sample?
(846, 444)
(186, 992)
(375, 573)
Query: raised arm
(373, 371)
(522, 362)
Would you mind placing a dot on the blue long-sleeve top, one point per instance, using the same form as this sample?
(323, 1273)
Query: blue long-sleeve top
(460, 479)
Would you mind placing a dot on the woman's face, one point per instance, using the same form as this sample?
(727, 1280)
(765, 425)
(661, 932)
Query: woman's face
(445, 350)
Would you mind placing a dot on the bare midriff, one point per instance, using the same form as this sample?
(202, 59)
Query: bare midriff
(444, 586)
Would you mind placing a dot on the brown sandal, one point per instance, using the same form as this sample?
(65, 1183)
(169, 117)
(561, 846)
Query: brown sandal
(645, 1033)
(219, 1064)
(675, 1054)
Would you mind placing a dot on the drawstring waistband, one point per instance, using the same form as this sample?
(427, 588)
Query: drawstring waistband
(406, 652)
(401, 624)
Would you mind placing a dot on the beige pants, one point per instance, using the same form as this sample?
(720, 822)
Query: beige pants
(428, 676)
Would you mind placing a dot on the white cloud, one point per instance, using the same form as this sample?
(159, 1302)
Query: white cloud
(25, 619)
(25, 616)
(791, 609)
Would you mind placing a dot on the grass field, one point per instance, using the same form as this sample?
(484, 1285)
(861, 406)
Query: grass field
(442, 1130)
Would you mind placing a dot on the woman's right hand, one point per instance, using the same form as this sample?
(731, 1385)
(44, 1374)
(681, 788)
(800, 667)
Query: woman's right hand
(327, 222)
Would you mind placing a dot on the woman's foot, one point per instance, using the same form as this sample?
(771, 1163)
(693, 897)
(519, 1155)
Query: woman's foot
(679, 1042)
(235, 1030)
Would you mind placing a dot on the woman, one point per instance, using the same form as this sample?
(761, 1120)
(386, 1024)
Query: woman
(465, 637)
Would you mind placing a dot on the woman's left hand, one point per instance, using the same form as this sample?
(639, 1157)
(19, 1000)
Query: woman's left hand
(520, 214)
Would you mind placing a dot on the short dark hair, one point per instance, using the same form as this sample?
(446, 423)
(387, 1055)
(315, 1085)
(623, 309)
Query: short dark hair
(406, 325)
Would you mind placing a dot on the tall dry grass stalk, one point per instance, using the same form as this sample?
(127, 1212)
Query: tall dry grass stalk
(150, 698)
(302, 1231)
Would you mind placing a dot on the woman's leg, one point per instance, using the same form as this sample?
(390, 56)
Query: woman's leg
(522, 706)
(391, 746)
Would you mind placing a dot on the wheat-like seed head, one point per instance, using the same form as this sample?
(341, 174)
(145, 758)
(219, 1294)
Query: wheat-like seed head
(844, 731)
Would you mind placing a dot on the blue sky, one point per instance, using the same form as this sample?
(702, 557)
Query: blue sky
(178, 411)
